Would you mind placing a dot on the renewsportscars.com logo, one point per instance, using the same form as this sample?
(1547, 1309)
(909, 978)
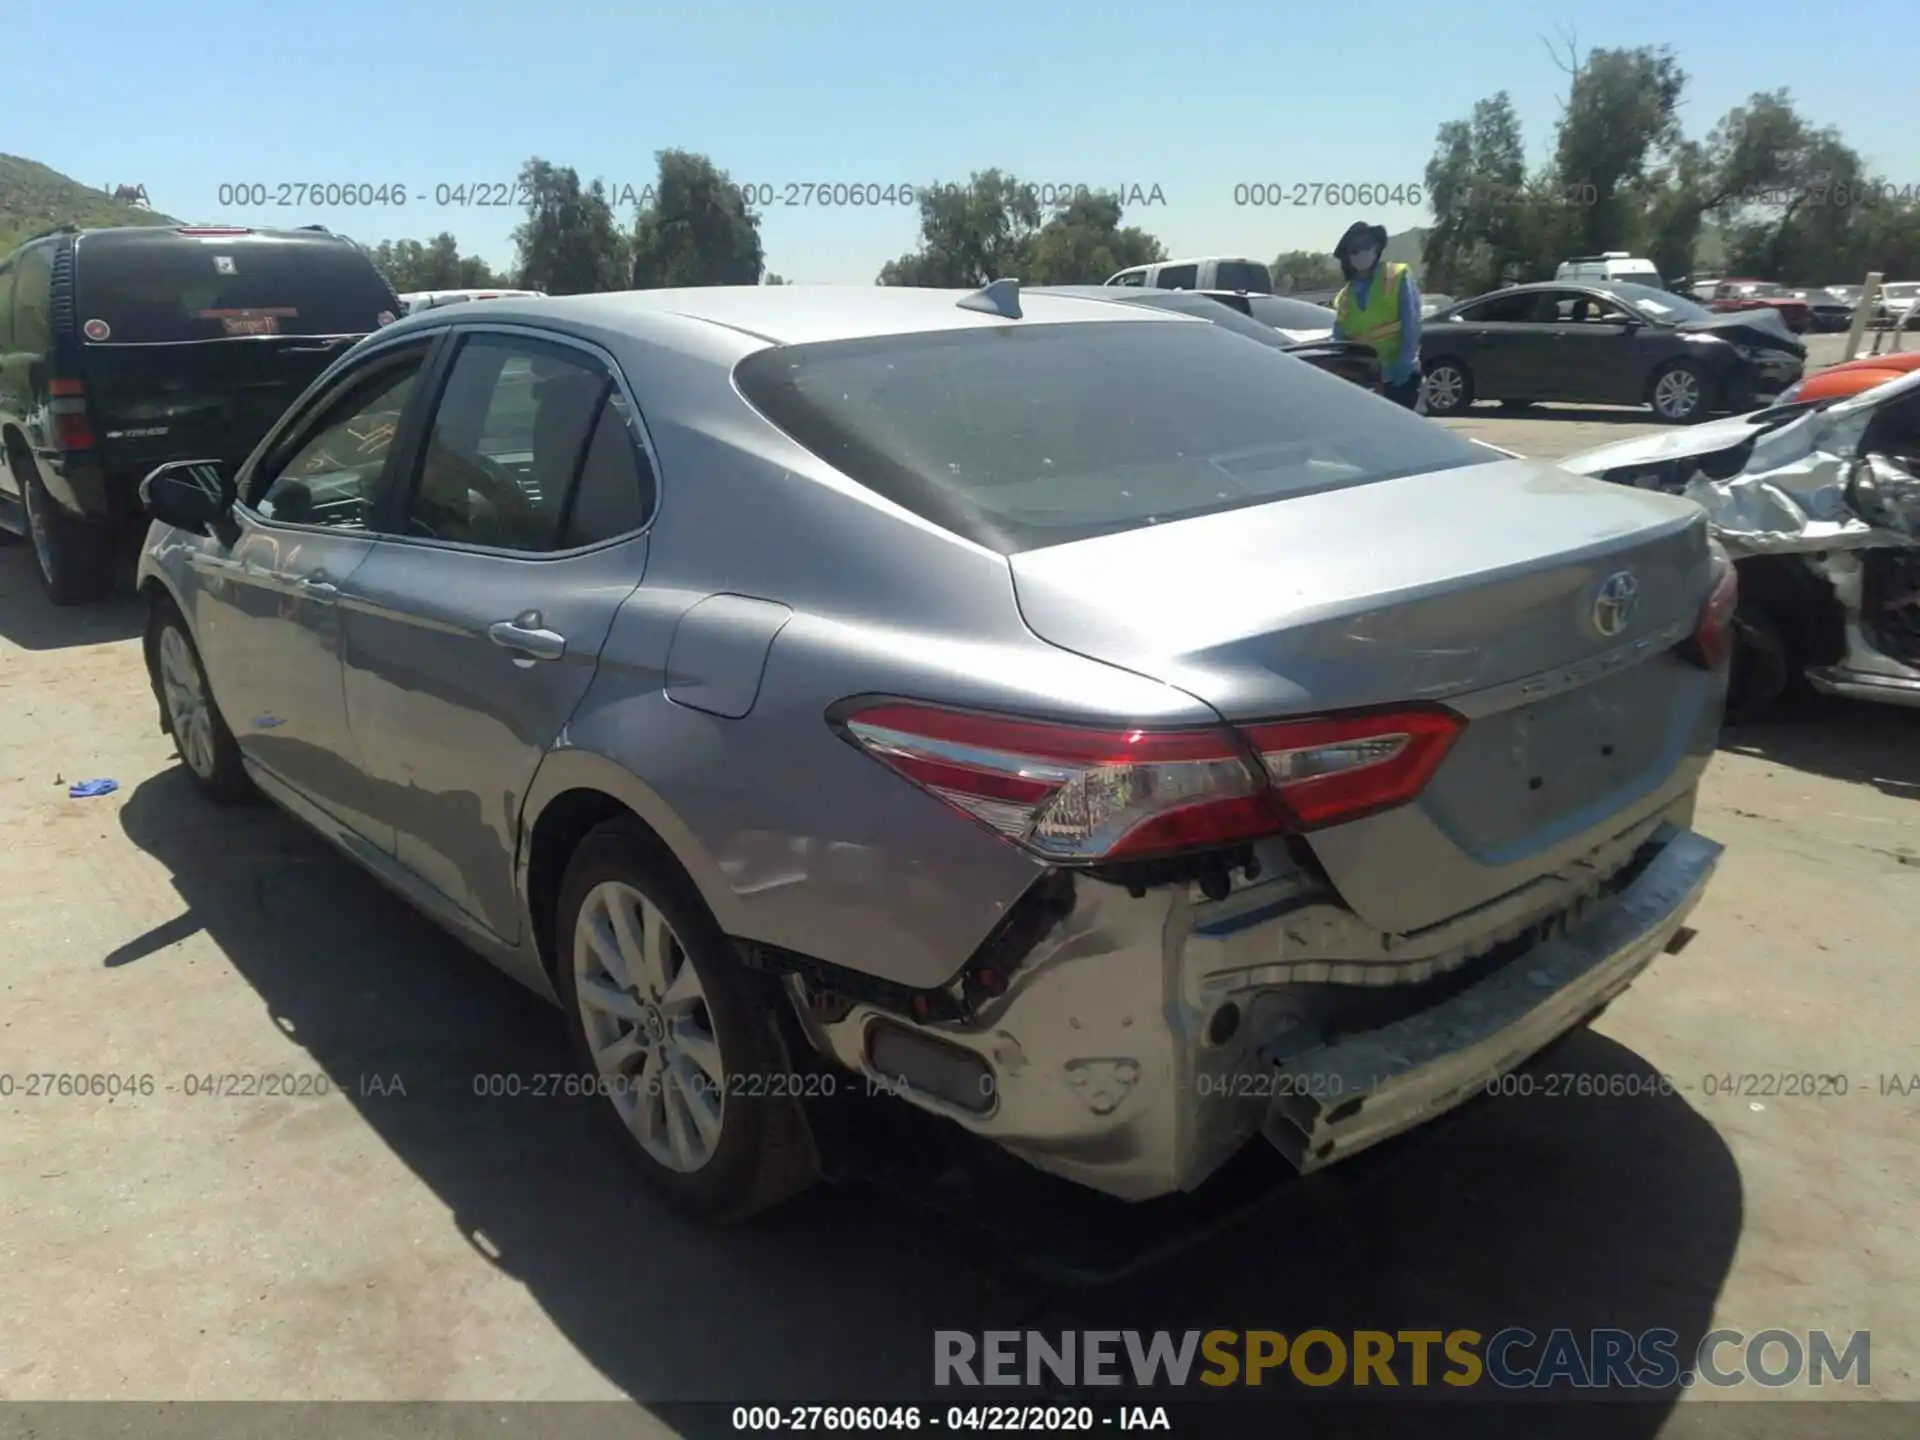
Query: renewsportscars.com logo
(1512, 1359)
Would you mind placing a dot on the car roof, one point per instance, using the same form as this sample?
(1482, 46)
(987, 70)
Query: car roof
(118, 236)
(810, 314)
(1533, 287)
(1586, 284)
(1191, 260)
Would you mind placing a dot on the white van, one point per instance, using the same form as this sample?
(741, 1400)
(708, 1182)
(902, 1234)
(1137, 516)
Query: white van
(1614, 265)
(1210, 272)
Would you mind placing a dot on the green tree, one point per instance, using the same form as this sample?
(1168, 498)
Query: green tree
(697, 229)
(1084, 243)
(1621, 118)
(993, 227)
(1492, 224)
(570, 243)
(437, 264)
(970, 234)
(1304, 270)
(1765, 193)
(773, 279)
(1692, 194)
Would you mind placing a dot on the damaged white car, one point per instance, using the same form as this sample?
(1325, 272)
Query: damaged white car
(1819, 505)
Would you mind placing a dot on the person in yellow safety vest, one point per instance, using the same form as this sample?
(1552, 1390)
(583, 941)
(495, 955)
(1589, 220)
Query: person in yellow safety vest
(1380, 306)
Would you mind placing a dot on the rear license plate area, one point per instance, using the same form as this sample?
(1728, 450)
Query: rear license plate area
(1516, 772)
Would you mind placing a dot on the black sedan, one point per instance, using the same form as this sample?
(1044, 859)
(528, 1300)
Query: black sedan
(1607, 344)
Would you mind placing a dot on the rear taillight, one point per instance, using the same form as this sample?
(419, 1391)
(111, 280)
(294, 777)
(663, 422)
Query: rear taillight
(1330, 771)
(1082, 796)
(67, 403)
(1712, 639)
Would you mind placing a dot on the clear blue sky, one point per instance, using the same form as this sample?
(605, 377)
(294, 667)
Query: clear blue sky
(185, 95)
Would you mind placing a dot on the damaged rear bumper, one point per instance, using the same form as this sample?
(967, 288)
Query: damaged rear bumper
(1337, 1099)
(1150, 1038)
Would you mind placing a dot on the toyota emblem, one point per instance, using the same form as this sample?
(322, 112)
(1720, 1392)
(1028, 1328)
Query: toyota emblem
(1614, 603)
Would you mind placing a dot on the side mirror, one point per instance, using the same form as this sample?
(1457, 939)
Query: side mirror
(192, 495)
(1885, 495)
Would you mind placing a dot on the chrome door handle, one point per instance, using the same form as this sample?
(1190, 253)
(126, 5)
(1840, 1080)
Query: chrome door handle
(318, 588)
(528, 636)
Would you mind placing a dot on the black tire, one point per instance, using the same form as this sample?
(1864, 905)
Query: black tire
(214, 766)
(74, 557)
(764, 1153)
(1452, 381)
(1680, 393)
(1763, 669)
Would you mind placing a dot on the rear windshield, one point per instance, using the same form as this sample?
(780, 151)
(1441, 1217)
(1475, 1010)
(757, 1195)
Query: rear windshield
(1023, 436)
(1203, 307)
(1246, 275)
(1288, 314)
(154, 291)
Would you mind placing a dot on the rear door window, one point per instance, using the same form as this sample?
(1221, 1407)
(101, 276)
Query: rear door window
(1009, 435)
(532, 448)
(1242, 275)
(1178, 277)
(1502, 310)
(183, 288)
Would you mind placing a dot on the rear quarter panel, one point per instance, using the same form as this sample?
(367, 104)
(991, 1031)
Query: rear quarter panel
(794, 837)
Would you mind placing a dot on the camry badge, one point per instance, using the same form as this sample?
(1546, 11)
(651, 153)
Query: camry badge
(1614, 603)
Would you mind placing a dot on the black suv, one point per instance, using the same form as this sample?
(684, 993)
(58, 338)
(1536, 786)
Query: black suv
(123, 349)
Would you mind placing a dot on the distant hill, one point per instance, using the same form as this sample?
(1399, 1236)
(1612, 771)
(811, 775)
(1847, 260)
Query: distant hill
(1406, 249)
(35, 198)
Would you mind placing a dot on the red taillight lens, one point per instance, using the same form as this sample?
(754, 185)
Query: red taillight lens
(1712, 639)
(1080, 796)
(67, 402)
(1326, 772)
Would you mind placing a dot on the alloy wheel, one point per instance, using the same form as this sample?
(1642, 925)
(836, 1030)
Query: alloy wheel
(648, 1026)
(1676, 394)
(1443, 388)
(188, 710)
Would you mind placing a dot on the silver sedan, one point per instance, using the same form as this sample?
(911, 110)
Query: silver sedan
(1109, 734)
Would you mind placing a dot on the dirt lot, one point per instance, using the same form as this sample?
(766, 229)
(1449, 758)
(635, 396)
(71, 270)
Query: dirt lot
(400, 1237)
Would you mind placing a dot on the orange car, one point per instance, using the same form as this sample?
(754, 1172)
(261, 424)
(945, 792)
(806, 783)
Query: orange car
(1839, 381)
